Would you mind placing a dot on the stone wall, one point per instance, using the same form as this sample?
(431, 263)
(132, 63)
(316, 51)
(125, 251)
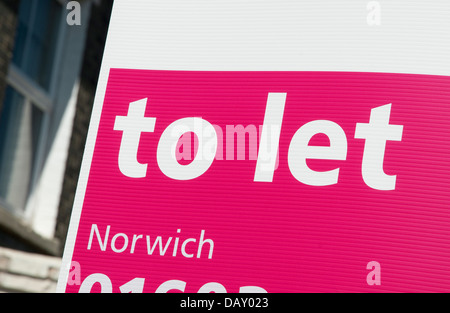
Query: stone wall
(27, 272)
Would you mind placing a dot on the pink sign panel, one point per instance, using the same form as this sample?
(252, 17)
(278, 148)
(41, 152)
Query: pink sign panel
(267, 182)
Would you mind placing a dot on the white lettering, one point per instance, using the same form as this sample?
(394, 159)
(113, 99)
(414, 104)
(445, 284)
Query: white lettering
(183, 248)
(167, 148)
(202, 242)
(376, 133)
(212, 287)
(270, 137)
(179, 133)
(94, 229)
(171, 285)
(300, 150)
(113, 243)
(102, 279)
(135, 285)
(251, 289)
(133, 243)
(157, 242)
(132, 126)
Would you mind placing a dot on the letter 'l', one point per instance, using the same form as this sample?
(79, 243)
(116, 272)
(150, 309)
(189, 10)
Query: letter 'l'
(270, 137)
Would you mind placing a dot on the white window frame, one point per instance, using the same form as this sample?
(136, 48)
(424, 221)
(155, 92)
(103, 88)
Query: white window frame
(36, 95)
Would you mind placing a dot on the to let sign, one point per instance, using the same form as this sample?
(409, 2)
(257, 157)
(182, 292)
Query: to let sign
(198, 178)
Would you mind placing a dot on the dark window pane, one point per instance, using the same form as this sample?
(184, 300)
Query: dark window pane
(36, 39)
(20, 128)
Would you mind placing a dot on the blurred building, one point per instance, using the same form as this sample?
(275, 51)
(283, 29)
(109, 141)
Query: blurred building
(48, 75)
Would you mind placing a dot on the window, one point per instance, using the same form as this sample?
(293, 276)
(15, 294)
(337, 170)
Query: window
(36, 39)
(28, 99)
(20, 126)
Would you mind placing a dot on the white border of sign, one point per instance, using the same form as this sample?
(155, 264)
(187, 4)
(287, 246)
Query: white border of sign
(254, 35)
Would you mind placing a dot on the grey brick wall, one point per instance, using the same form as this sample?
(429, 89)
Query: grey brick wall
(8, 20)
